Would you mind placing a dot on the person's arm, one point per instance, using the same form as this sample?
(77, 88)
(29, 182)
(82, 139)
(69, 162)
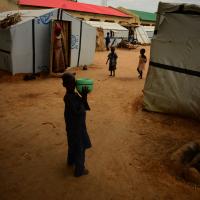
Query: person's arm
(84, 97)
(145, 59)
(108, 59)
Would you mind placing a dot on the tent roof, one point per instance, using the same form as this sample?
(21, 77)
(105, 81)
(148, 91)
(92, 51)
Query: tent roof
(149, 28)
(74, 6)
(180, 8)
(145, 16)
(107, 25)
(26, 15)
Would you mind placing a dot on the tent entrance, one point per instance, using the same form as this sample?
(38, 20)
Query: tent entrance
(60, 53)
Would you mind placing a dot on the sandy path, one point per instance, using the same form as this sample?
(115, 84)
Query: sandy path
(129, 158)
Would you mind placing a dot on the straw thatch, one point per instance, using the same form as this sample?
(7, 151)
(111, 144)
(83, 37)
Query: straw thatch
(100, 43)
(10, 20)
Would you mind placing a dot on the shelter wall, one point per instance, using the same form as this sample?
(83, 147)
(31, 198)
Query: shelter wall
(19, 43)
(5, 40)
(21, 53)
(42, 45)
(118, 36)
(5, 49)
(88, 44)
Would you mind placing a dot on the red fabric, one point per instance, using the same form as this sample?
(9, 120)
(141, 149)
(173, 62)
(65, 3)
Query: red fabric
(57, 28)
(69, 5)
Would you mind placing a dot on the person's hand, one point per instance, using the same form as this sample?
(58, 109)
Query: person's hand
(84, 92)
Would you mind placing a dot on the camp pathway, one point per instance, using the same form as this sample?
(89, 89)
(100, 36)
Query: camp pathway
(129, 158)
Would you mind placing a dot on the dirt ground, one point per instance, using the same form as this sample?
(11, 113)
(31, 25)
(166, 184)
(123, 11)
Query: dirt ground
(131, 148)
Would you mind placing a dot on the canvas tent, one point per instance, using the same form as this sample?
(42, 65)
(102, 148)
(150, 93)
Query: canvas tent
(173, 80)
(26, 46)
(117, 32)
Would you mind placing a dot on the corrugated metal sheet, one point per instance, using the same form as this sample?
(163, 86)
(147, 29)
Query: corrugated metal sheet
(107, 25)
(69, 5)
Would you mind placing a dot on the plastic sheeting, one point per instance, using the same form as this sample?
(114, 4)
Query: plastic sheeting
(150, 31)
(173, 80)
(16, 42)
(141, 35)
(119, 32)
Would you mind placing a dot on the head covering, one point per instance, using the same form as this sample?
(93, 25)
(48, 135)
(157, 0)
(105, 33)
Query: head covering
(58, 29)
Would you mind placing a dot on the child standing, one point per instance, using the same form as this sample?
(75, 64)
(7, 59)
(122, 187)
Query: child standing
(112, 58)
(142, 62)
(75, 116)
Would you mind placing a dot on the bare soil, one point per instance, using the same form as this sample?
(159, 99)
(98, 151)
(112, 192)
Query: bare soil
(131, 148)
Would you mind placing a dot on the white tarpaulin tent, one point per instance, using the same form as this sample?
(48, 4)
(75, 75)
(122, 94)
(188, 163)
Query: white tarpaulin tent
(25, 46)
(173, 80)
(149, 30)
(141, 35)
(117, 32)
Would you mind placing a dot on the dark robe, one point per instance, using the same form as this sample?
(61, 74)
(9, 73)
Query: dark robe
(112, 61)
(77, 135)
(107, 42)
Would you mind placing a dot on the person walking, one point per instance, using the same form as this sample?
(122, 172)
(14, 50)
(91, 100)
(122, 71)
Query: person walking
(75, 119)
(141, 64)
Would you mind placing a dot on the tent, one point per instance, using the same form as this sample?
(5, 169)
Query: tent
(117, 32)
(141, 35)
(26, 47)
(149, 30)
(173, 79)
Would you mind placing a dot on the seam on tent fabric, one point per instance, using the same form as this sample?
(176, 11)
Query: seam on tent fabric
(4, 51)
(185, 12)
(33, 43)
(61, 14)
(58, 14)
(175, 69)
(80, 40)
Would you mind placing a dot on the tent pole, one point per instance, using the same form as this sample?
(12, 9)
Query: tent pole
(33, 44)
(79, 52)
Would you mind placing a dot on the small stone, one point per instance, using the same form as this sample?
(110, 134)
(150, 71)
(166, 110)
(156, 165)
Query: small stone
(193, 175)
